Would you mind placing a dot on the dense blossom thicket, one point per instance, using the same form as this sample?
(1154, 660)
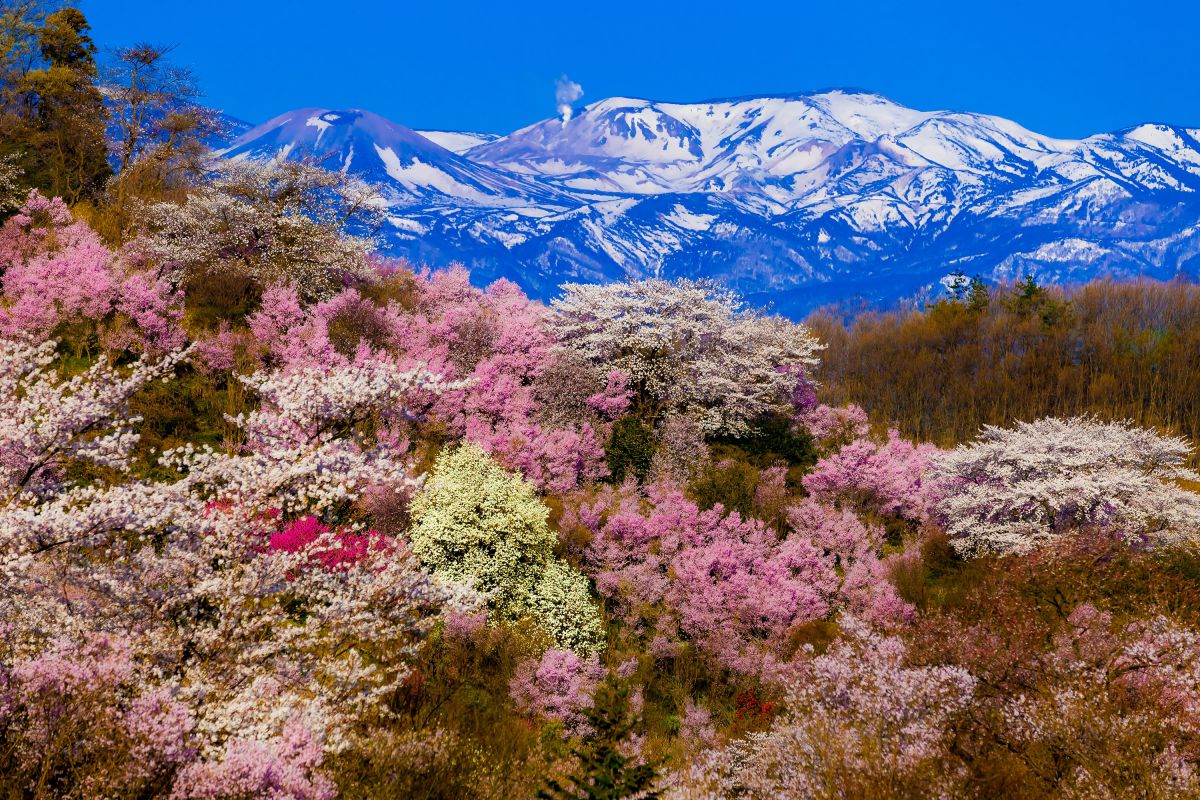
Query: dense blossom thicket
(283, 519)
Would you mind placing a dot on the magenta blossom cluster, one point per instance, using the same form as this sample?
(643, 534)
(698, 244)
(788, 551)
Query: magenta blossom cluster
(326, 547)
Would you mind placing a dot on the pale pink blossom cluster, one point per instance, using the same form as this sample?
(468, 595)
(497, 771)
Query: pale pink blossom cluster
(558, 686)
(858, 711)
(732, 587)
(83, 705)
(830, 425)
(689, 348)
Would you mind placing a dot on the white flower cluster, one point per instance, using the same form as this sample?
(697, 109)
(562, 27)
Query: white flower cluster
(248, 634)
(274, 222)
(688, 348)
(44, 421)
(476, 524)
(1017, 488)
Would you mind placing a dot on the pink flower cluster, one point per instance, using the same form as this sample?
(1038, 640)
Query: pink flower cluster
(889, 478)
(84, 699)
(558, 686)
(731, 586)
(56, 269)
(284, 770)
(496, 341)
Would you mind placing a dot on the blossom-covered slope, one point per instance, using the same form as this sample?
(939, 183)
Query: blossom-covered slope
(794, 200)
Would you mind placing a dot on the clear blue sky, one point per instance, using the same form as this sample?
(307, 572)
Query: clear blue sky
(1061, 67)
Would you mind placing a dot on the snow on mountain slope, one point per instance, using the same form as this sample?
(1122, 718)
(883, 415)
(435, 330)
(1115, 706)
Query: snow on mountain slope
(459, 141)
(412, 169)
(793, 200)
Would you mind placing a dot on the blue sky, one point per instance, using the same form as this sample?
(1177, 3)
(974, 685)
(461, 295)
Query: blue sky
(1061, 67)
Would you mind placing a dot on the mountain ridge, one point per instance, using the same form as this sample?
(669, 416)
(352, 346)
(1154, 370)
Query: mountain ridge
(799, 199)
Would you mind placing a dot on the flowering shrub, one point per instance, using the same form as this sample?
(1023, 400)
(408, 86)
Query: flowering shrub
(56, 269)
(857, 716)
(889, 478)
(286, 769)
(729, 585)
(79, 721)
(476, 524)
(351, 548)
(558, 686)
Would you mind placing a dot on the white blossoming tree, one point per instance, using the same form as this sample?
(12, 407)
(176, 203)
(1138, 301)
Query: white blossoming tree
(1020, 487)
(689, 348)
(274, 222)
(248, 634)
(476, 524)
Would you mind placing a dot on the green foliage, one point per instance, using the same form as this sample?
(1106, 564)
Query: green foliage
(476, 524)
(732, 482)
(604, 772)
(978, 295)
(1030, 299)
(630, 449)
(453, 733)
(773, 438)
(56, 115)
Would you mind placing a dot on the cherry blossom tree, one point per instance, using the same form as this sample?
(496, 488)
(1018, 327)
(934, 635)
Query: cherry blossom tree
(1020, 487)
(889, 478)
(79, 720)
(688, 348)
(272, 221)
(45, 423)
(729, 586)
(558, 686)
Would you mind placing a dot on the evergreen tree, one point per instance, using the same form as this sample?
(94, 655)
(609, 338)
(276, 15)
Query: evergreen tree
(604, 772)
(630, 449)
(56, 115)
(978, 295)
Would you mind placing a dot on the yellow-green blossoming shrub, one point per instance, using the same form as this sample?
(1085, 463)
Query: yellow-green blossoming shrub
(475, 523)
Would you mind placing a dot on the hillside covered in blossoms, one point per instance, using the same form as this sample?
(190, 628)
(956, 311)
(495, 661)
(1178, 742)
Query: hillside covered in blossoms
(282, 518)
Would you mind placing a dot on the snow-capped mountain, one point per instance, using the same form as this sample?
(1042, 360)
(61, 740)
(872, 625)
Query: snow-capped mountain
(412, 169)
(793, 200)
